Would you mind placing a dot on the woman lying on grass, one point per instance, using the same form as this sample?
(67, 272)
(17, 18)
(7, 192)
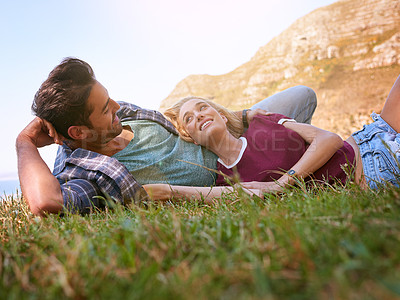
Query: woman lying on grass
(274, 151)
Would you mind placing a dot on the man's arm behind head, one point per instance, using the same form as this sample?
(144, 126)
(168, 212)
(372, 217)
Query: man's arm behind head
(39, 187)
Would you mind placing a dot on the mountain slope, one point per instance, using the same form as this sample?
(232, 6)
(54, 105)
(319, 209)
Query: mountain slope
(348, 52)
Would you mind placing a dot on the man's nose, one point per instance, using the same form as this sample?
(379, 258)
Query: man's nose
(116, 106)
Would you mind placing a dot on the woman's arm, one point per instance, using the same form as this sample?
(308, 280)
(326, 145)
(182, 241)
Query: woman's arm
(323, 145)
(164, 192)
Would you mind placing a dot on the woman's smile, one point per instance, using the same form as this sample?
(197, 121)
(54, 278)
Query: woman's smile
(205, 124)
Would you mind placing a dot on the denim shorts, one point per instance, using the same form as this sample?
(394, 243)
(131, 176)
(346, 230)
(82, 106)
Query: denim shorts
(379, 146)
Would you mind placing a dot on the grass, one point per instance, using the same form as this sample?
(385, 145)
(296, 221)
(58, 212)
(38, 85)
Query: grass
(330, 243)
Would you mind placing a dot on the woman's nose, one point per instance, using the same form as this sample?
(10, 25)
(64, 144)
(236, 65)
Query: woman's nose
(199, 115)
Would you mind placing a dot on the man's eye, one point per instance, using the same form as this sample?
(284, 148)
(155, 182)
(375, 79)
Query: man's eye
(188, 119)
(203, 107)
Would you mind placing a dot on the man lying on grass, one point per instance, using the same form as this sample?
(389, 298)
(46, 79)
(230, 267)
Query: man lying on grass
(111, 149)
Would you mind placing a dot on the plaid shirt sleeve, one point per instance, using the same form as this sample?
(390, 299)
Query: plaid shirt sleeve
(80, 196)
(86, 178)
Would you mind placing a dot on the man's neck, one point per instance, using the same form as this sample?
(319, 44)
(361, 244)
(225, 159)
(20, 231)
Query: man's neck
(110, 148)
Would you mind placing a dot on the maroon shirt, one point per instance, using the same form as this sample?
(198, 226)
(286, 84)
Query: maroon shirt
(272, 149)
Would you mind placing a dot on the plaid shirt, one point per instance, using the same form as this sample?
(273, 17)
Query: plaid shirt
(86, 177)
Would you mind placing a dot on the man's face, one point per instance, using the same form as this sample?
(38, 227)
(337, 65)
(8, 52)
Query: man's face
(104, 123)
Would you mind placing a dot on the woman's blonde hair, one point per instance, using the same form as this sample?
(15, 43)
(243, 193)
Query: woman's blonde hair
(234, 124)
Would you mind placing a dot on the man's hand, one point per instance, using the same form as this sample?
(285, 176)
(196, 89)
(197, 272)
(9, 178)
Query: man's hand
(41, 133)
(253, 112)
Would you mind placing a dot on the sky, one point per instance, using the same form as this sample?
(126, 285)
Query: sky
(139, 49)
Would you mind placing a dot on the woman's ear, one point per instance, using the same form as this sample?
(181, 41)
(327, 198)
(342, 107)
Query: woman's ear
(224, 118)
(77, 132)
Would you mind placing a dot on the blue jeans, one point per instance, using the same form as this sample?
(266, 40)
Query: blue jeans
(298, 102)
(379, 146)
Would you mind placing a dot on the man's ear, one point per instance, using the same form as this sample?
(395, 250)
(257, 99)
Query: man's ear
(78, 132)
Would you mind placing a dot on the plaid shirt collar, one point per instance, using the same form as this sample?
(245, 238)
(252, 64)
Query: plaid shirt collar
(130, 112)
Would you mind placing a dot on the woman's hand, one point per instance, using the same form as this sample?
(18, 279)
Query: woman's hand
(264, 187)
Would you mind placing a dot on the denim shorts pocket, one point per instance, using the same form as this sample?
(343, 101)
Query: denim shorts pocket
(366, 134)
(384, 166)
(384, 161)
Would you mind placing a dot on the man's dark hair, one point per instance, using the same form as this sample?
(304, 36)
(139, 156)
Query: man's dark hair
(62, 98)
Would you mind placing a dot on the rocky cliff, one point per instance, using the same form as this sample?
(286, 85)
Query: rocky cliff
(348, 52)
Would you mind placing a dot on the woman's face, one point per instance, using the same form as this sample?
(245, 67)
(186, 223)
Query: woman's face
(202, 122)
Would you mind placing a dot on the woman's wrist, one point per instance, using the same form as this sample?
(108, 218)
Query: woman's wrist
(288, 178)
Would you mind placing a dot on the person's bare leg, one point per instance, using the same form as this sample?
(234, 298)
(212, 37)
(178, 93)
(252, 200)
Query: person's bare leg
(391, 110)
